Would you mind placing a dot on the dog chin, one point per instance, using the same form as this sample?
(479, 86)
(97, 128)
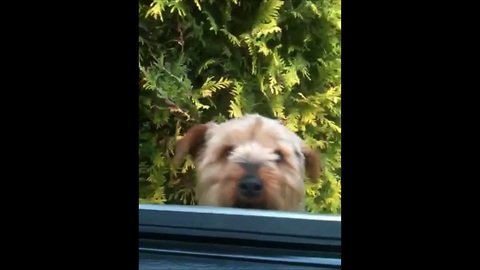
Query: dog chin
(249, 205)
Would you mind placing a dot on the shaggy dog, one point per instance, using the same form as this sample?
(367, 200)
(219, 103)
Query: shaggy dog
(249, 162)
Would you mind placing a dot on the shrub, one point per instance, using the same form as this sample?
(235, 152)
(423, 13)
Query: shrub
(207, 60)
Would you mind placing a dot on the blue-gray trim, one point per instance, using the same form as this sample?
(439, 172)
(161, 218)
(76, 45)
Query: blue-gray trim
(246, 224)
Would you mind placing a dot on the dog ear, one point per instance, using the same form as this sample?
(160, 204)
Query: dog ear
(312, 164)
(191, 143)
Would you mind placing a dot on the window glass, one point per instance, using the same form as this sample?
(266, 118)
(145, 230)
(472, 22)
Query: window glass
(213, 61)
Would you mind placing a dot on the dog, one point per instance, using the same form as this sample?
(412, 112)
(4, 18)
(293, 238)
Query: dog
(250, 162)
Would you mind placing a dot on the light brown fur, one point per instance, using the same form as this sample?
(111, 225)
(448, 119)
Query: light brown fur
(217, 150)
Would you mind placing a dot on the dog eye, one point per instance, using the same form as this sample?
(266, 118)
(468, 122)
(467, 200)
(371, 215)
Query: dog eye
(227, 151)
(280, 155)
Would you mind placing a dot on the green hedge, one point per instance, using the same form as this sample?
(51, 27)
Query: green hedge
(214, 60)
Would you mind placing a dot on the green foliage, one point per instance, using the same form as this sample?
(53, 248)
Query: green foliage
(207, 60)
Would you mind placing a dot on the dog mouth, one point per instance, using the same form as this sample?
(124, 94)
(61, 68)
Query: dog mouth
(249, 205)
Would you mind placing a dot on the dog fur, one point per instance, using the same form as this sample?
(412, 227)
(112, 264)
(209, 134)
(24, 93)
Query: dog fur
(219, 150)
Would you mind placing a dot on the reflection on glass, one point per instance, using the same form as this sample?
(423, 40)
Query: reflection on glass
(206, 71)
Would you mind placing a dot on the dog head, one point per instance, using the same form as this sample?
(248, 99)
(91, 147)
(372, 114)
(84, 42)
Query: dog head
(249, 162)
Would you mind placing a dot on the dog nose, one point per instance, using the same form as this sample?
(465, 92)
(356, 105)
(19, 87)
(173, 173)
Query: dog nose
(250, 186)
(250, 168)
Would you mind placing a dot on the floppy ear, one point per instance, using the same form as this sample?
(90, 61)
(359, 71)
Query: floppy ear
(191, 143)
(312, 164)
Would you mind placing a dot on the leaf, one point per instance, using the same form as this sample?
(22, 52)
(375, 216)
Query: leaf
(157, 8)
(211, 20)
(158, 197)
(268, 11)
(197, 3)
(233, 39)
(235, 110)
(210, 86)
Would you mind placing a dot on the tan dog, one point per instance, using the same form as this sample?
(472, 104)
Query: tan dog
(249, 162)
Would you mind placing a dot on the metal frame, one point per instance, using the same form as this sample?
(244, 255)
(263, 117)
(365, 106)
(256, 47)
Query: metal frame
(179, 236)
(245, 224)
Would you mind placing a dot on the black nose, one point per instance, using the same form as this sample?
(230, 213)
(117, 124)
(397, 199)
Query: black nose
(250, 186)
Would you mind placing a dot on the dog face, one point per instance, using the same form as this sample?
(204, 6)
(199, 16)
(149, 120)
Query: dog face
(249, 162)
